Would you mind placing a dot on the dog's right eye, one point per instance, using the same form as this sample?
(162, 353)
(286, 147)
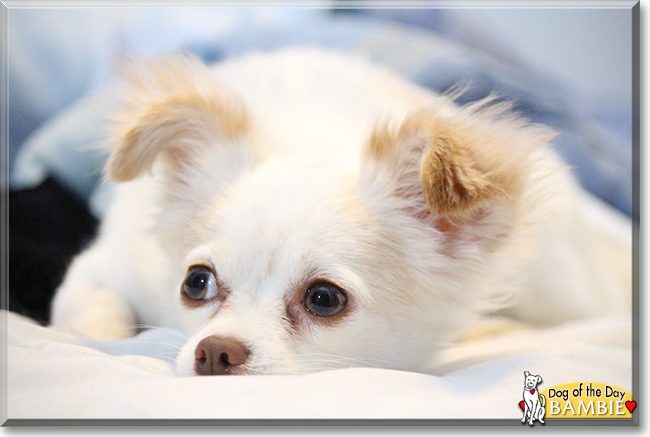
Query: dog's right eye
(200, 284)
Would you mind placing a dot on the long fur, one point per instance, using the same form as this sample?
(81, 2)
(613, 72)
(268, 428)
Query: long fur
(273, 171)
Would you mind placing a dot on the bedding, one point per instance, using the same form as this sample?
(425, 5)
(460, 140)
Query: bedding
(54, 375)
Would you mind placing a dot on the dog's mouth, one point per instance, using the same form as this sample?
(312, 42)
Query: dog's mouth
(232, 371)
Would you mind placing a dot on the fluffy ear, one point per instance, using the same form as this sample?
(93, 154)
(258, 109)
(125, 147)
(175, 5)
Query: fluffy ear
(463, 170)
(526, 373)
(191, 132)
(173, 108)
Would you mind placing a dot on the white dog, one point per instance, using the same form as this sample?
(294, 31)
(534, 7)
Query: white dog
(534, 402)
(304, 210)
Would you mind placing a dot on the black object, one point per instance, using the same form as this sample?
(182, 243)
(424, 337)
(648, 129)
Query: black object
(48, 225)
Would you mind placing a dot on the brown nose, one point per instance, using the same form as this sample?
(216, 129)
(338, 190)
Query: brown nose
(218, 355)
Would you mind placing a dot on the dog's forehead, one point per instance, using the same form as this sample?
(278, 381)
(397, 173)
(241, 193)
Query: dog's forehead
(287, 214)
(288, 196)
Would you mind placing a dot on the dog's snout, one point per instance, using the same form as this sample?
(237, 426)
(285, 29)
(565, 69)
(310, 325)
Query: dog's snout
(219, 355)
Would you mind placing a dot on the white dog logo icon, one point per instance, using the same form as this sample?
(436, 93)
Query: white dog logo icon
(534, 403)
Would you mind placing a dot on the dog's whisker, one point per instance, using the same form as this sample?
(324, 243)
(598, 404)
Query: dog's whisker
(165, 356)
(318, 356)
(162, 343)
(348, 361)
(340, 362)
(158, 328)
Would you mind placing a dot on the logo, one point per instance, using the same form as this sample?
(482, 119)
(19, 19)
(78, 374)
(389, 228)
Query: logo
(534, 402)
(574, 400)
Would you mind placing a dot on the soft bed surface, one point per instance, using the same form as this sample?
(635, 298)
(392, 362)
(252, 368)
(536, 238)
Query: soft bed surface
(56, 375)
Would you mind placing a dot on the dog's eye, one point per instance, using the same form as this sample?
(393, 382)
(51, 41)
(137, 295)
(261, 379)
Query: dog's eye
(200, 283)
(324, 299)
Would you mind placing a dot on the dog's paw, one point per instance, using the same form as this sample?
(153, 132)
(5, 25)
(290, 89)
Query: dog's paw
(103, 325)
(100, 314)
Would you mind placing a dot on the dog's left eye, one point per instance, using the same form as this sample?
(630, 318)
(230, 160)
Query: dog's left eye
(200, 283)
(324, 299)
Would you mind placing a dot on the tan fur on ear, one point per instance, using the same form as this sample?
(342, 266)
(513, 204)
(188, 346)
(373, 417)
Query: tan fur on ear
(168, 104)
(452, 181)
(459, 163)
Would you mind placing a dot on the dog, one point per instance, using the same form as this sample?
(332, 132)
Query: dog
(304, 210)
(534, 401)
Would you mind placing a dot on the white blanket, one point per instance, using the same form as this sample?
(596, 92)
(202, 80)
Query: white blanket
(56, 375)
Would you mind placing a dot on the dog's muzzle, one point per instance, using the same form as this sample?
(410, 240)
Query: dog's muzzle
(219, 356)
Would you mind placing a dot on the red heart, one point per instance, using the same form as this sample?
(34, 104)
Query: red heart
(532, 391)
(631, 405)
(522, 404)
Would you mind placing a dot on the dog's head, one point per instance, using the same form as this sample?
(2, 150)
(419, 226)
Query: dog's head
(531, 381)
(293, 265)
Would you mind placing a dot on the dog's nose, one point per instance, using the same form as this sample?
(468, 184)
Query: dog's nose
(219, 355)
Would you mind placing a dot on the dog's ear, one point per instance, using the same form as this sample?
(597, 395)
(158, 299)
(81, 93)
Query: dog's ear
(526, 373)
(462, 170)
(539, 380)
(174, 110)
(192, 133)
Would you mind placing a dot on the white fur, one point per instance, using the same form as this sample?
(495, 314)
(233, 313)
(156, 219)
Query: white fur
(297, 197)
